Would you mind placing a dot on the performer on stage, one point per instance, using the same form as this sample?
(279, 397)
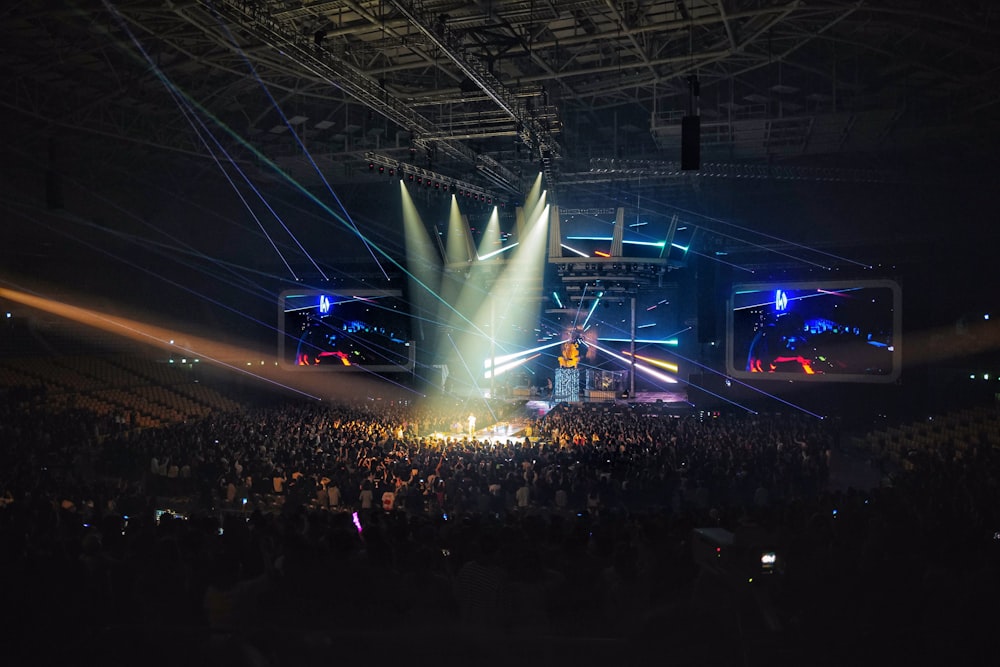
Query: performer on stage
(570, 355)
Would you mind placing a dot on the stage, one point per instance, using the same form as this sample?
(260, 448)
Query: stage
(535, 409)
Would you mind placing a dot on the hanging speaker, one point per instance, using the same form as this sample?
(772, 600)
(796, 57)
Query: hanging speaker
(690, 142)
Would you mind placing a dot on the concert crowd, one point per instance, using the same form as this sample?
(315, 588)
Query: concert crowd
(306, 530)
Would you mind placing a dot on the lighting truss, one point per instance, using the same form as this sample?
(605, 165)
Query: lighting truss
(594, 212)
(255, 19)
(445, 183)
(615, 168)
(529, 128)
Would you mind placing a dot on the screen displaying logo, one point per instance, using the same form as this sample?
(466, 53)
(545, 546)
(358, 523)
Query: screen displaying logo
(358, 330)
(838, 331)
(780, 300)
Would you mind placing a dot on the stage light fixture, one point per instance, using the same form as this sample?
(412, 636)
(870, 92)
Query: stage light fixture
(371, 166)
(381, 169)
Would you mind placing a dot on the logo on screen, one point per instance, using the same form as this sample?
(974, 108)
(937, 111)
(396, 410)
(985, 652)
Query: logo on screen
(324, 304)
(780, 300)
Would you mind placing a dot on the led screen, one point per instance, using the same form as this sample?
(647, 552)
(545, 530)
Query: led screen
(833, 331)
(345, 331)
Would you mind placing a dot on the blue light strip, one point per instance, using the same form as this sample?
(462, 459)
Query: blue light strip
(592, 309)
(646, 341)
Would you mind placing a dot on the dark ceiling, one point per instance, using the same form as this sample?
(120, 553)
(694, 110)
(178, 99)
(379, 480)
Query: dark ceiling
(130, 129)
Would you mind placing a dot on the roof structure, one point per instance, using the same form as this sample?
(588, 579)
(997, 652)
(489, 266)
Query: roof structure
(487, 90)
(145, 104)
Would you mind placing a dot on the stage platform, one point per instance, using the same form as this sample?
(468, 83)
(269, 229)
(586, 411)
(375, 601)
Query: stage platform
(676, 398)
(536, 408)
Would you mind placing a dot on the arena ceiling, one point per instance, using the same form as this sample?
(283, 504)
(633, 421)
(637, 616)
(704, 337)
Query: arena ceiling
(488, 91)
(484, 94)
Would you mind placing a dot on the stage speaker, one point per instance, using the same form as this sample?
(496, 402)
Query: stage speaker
(690, 143)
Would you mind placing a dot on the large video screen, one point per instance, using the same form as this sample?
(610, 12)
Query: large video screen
(816, 331)
(345, 331)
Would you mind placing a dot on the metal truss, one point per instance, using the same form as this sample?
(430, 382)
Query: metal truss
(468, 81)
(531, 131)
(394, 168)
(652, 169)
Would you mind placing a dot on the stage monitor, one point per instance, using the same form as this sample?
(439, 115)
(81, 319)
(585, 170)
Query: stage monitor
(345, 330)
(841, 331)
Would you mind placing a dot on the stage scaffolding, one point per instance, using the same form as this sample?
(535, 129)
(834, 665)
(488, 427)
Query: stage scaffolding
(606, 385)
(567, 386)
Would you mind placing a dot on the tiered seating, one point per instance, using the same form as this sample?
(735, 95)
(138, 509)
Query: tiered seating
(178, 380)
(143, 415)
(102, 370)
(957, 430)
(154, 371)
(172, 401)
(11, 375)
(208, 396)
(151, 394)
(54, 375)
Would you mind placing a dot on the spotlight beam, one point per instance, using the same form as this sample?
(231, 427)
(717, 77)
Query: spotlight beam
(583, 295)
(187, 107)
(508, 357)
(783, 241)
(188, 112)
(301, 144)
(500, 370)
(472, 376)
(748, 386)
(144, 333)
(819, 292)
(593, 307)
(303, 190)
(645, 341)
(659, 363)
(490, 255)
(574, 250)
(100, 249)
(645, 369)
